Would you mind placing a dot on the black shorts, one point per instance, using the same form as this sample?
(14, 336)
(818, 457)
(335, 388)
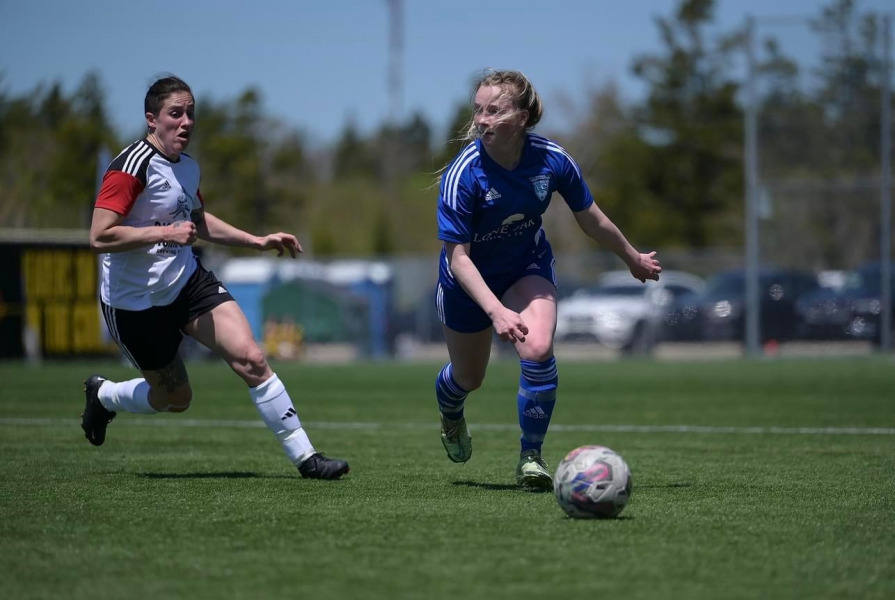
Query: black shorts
(151, 338)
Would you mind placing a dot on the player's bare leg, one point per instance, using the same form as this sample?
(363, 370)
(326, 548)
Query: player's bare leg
(469, 354)
(534, 298)
(226, 331)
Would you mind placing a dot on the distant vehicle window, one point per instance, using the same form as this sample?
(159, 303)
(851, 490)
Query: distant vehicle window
(863, 281)
(619, 290)
(678, 290)
(730, 283)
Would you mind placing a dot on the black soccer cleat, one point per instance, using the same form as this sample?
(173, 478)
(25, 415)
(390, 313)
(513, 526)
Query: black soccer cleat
(95, 417)
(318, 466)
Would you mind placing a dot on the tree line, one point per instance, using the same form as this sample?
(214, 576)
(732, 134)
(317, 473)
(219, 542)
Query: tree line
(667, 168)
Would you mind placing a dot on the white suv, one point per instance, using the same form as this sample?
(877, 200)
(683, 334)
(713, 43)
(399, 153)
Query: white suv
(622, 313)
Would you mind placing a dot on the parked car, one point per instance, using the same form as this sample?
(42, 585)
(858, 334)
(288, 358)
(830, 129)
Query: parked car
(720, 310)
(819, 315)
(622, 313)
(853, 311)
(681, 322)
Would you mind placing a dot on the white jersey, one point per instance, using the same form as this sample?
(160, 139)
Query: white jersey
(149, 191)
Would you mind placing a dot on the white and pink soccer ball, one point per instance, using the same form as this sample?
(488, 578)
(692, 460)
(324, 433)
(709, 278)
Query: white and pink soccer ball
(592, 482)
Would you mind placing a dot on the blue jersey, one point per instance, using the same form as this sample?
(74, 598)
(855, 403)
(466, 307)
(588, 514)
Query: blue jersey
(499, 212)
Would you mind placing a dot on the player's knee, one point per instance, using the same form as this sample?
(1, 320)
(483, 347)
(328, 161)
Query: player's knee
(252, 363)
(176, 402)
(255, 359)
(536, 350)
(469, 382)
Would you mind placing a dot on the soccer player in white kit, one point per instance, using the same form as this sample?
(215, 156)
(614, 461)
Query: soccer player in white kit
(496, 273)
(153, 289)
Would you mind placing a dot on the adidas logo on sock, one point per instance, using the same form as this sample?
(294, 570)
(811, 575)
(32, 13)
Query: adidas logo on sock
(535, 412)
(289, 413)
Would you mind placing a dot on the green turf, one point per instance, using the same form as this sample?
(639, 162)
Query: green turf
(205, 505)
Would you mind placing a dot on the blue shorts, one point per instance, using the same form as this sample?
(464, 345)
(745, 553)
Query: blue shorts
(459, 312)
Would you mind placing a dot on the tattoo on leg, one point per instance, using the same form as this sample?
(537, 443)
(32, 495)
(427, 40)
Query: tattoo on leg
(173, 376)
(165, 383)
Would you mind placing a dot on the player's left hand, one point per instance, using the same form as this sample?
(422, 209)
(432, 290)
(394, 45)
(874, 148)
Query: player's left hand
(281, 242)
(647, 267)
(509, 326)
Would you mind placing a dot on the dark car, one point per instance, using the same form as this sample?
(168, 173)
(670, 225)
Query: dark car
(854, 311)
(681, 320)
(718, 313)
(819, 315)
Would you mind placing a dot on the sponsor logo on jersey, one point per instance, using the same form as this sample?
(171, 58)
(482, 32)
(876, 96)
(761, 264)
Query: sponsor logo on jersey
(514, 225)
(492, 195)
(541, 184)
(184, 207)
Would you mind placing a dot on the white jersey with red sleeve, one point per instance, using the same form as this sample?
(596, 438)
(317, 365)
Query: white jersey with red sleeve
(149, 191)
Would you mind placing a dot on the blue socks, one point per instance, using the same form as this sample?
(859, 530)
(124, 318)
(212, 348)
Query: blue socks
(451, 397)
(537, 397)
(535, 401)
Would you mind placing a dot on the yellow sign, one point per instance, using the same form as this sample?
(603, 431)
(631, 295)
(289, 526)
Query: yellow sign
(61, 303)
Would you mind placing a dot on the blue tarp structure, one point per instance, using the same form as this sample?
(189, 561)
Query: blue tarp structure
(340, 301)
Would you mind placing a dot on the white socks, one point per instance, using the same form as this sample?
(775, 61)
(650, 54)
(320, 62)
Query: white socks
(270, 398)
(128, 396)
(273, 403)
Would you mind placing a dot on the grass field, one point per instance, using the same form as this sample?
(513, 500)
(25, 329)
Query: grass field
(752, 479)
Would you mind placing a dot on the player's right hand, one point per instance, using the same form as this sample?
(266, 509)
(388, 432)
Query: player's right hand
(183, 233)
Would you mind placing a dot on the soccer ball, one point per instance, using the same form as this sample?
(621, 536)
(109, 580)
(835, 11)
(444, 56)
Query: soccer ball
(592, 482)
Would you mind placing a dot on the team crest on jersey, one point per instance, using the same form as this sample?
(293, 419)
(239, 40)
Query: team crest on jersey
(184, 207)
(541, 184)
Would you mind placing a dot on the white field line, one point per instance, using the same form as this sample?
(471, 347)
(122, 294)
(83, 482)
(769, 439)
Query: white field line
(344, 426)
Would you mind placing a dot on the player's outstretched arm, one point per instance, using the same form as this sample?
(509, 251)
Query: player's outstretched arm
(218, 231)
(282, 243)
(599, 227)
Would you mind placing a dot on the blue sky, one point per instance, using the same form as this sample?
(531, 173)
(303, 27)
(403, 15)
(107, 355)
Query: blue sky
(318, 64)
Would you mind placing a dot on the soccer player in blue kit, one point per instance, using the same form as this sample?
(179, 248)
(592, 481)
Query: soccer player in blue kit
(496, 272)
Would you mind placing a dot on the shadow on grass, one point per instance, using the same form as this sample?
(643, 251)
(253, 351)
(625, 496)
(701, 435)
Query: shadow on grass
(223, 475)
(501, 487)
(674, 484)
(599, 519)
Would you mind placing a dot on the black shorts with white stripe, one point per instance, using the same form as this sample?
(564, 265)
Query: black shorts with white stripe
(151, 338)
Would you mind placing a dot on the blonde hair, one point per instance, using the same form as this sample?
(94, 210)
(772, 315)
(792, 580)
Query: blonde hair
(517, 88)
